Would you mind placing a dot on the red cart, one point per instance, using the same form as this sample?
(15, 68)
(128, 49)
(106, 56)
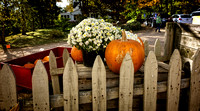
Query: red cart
(24, 75)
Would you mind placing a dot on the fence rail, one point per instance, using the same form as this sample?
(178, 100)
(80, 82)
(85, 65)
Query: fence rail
(101, 87)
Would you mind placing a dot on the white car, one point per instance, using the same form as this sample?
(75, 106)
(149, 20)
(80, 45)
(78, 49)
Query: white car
(196, 17)
(182, 18)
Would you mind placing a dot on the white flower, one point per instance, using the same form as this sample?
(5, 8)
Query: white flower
(80, 43)
(132, 36)
(93, 34)
(86, 43)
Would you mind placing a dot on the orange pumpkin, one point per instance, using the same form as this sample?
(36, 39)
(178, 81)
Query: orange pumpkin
(117, 49)
(76, 54)
(29, 65)
(46, 58)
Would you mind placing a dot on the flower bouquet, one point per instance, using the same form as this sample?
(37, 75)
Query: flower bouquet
(92, 36)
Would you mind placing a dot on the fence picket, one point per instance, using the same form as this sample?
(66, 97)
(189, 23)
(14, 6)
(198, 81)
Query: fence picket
(8, 93)
(99, 85)
(70, 87)
(174, 82)
(194, 97)
(126, 84)
(150, 82)
(157, 49)
(146, 47)
(65, 56)
(40, 88)
(54, 79)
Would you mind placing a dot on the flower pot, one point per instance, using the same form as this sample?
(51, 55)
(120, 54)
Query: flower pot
(89, 57)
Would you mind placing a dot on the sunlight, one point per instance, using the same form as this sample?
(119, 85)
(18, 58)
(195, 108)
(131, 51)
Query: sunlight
(63, 3)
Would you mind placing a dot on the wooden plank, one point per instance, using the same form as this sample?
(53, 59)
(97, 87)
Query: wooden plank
(126, 84)
(163, 65)
(146, 48)
(174, 81)
(98, 85)
(160, 69)
(57, 71)
(54, 79)
(190, 41)
(113, 93)
(157, 49)
(190, 29)
(65, 56)
(194, 98)
(70, 87)
(8, 93)
(40, 88)
(86, 84)
(169, 36)
(150, 82)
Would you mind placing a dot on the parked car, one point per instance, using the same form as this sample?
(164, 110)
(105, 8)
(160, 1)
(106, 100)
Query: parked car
(151, 20)
(195, 17)
(182, 18)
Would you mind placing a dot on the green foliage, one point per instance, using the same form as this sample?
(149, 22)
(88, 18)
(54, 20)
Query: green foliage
(26, 15)
(57, 34)
(62, 24)
(38, 37)
(130, 21)
(132, 26)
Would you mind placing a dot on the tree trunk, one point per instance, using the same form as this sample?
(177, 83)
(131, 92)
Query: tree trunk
(2, 39)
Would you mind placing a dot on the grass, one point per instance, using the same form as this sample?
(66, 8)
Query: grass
(38, 37)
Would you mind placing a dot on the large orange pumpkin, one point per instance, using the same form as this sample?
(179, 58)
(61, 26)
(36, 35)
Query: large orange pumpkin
(117, 49)
(76, 54)
(29, 65)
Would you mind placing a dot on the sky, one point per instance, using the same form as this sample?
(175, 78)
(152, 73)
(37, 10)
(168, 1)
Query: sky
(62, 4)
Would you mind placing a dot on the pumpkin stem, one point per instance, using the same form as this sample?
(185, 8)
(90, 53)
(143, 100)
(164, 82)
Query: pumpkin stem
(123, 36)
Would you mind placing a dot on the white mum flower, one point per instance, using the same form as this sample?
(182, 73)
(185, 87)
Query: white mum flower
(80, 43)
(84, 35)
(86, 43)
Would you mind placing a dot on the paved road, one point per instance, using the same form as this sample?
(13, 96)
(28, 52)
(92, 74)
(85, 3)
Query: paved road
(145, 34)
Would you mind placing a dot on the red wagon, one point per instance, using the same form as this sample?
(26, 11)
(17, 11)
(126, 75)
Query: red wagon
(24, 75)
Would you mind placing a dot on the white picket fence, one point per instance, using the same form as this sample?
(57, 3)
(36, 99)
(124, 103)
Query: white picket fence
(101, 92)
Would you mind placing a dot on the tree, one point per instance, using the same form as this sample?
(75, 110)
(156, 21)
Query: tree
(44, 13)
(6, 18)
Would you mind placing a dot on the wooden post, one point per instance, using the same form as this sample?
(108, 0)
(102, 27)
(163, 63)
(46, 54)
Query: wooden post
(157, 49)
(174, 82)
(169, 36)
(146, 48)
(8, 93)
(126, 84)
(65, 56)
(54, 79)
(40, 88)
(99, 85)
(70, 87)
(150, 82)
(194, 98)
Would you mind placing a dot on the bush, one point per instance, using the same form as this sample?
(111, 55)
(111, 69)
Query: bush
(57, 34)
(132, 26)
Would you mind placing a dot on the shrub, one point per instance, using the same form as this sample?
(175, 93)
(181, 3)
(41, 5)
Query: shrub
(132, 26)
(57, 34)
